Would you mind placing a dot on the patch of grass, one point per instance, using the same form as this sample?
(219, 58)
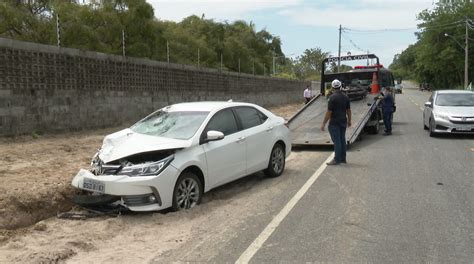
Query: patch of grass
(35, 134)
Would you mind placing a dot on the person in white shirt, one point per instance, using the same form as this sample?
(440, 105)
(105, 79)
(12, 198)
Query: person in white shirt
(308, 94)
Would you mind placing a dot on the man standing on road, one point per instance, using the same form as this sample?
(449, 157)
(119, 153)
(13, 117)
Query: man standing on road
(308, 94)
(339, 116)
(387, 110)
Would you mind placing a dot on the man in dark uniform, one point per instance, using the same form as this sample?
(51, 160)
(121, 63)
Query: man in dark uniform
(387, 110)
(339, 116)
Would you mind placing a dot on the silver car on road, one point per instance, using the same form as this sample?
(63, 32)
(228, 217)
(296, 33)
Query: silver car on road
(449, 111)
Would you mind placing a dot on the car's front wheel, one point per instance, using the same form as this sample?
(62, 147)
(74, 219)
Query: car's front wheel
(187, 191)
(432, 128)
(276, 164)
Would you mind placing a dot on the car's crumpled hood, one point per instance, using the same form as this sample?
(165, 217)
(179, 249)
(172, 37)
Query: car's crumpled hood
(456, 110)
(126, 142)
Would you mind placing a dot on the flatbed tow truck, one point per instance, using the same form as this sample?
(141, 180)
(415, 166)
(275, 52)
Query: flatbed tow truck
(366, 113)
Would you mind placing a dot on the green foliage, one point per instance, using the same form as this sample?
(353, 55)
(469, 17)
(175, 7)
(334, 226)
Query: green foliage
(308, 65)
(98, 26)
(435, 58)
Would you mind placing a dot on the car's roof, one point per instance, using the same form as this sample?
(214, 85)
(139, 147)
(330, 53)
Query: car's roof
(454, 92)
(205, 106)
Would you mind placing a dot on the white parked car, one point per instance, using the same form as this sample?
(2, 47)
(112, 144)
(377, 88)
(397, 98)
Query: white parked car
(174, 155)
(449, 111)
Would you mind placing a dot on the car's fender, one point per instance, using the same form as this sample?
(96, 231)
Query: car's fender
(192, 157)
(283, 134)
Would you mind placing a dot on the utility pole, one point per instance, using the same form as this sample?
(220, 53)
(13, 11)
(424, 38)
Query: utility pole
(339, 53)
(367, 59)
(123, 42)
(198, 59)
(58, 31)
(264, 70)
(466, 57)
(253, 66)
(168, 51)
(239, 65)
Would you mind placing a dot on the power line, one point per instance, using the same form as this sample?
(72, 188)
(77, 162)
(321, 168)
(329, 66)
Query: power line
(368, 31)
(377, 30)
(450, 24)
(353, 44)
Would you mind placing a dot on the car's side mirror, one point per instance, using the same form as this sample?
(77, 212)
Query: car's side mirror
(213, 135)
(428, 104)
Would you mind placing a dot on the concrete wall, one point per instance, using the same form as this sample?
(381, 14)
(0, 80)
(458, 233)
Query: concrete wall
(46, 89)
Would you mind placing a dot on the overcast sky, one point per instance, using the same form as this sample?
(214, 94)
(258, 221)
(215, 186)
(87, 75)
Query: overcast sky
(303, 24)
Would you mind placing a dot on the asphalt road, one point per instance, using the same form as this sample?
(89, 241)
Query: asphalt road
(405, 198)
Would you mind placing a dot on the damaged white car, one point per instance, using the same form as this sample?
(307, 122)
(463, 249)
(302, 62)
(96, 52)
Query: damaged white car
(173, 156)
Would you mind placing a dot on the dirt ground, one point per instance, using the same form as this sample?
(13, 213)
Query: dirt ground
(36, 172)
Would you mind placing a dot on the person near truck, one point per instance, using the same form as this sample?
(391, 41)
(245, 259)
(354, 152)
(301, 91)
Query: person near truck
(308, 94)
(339, 116)
(387, 110)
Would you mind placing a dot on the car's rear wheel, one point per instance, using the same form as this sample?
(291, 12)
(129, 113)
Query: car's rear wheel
(276, 164)
(187, 191)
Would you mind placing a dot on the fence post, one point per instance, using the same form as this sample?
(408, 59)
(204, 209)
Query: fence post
(58, 31)
(168, 51)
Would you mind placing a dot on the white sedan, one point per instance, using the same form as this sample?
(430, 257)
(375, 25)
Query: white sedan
(174, 155)
(449, 111)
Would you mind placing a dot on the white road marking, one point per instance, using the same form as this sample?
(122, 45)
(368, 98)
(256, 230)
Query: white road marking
(413, 101)
(258, 242)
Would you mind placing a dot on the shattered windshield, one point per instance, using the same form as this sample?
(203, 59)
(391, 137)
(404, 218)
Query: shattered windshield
(177, 124)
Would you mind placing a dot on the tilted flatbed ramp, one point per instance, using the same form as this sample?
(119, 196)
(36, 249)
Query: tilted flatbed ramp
(305, 125)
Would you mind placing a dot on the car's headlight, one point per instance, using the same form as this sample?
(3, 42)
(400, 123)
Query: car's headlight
(441, 116)
(146, 169)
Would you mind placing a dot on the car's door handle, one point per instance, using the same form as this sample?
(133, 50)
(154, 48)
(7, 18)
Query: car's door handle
(240, 140)
(269, 129)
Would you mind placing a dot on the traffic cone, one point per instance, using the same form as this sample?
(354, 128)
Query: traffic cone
(374, 87)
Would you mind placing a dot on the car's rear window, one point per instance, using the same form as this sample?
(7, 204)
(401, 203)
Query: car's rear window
(460, 99)
(177, 124)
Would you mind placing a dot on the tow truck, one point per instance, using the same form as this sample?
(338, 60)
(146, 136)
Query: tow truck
(366, 111)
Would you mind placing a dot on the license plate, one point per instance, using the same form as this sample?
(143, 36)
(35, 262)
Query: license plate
(463, 128)
(93, 185)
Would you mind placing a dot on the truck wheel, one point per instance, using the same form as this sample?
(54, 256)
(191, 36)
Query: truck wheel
(276, 164)
(374, 130)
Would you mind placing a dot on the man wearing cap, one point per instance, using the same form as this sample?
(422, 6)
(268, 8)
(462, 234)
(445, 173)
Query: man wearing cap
(339, 116)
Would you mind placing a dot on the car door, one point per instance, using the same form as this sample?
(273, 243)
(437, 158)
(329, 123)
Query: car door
(226, 157)
(259, 135)
(427, 112)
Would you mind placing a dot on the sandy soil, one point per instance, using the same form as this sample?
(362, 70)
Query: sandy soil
(147, 237)
(36, 172)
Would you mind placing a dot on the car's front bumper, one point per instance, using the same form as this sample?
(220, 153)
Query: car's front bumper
(446, 126)
(146, 193)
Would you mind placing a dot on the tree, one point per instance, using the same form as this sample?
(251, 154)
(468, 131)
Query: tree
(435, 58)
(308, 65)
(98, 26)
